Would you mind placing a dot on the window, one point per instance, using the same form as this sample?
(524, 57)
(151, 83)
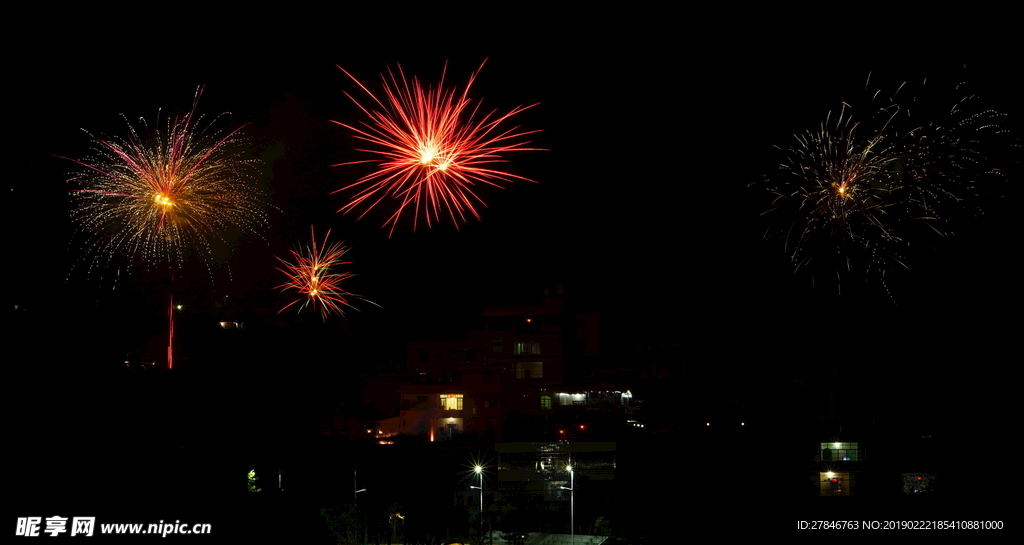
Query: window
(918, 483)
(451, 402)
(838, 451)
(530, 369)
(545, 401)
(527, 347)
(836, 483)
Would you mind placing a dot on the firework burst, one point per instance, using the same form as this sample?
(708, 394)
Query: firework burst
(433, 147)
(851, 196)
(157, 197)
(313, 272)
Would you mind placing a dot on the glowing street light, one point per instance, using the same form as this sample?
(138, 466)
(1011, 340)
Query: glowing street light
(572, 505)
(479, 470)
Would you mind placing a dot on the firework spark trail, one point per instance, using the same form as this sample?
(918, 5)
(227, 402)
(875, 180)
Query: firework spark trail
(843, 184)
(852, 196)
(432, 150)
(155, 198)
(313, 273)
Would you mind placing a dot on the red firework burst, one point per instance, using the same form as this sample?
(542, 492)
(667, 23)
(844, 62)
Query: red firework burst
(432, 150)
(313, 272)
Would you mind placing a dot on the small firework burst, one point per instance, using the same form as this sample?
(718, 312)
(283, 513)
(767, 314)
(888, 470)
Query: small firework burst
(158, 195)
(851, 197)
(314, 273)
(432, 149)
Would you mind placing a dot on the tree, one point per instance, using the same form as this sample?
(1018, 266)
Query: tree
(252, 481)
(342, 524)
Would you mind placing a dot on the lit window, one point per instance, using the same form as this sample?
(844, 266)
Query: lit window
(451, 402)
(545, 401)
(836, 483)
(528, 347)
(841, 451)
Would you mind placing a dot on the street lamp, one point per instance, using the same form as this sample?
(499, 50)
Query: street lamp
(355, 498)
(572, 505)
(479, 470)
(355, 487)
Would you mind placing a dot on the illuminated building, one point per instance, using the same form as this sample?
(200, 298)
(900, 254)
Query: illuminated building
(840, 463)
(508, 375)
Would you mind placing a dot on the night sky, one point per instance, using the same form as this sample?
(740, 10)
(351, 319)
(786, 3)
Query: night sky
(642, 206)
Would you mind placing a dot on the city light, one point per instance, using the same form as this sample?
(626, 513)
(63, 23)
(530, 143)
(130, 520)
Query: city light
(572, 504)
(478, 469)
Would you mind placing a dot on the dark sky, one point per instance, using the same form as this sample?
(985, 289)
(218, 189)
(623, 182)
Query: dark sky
(641, 206)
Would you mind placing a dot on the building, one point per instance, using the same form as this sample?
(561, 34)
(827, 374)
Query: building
(841, 464)
(512, 368)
